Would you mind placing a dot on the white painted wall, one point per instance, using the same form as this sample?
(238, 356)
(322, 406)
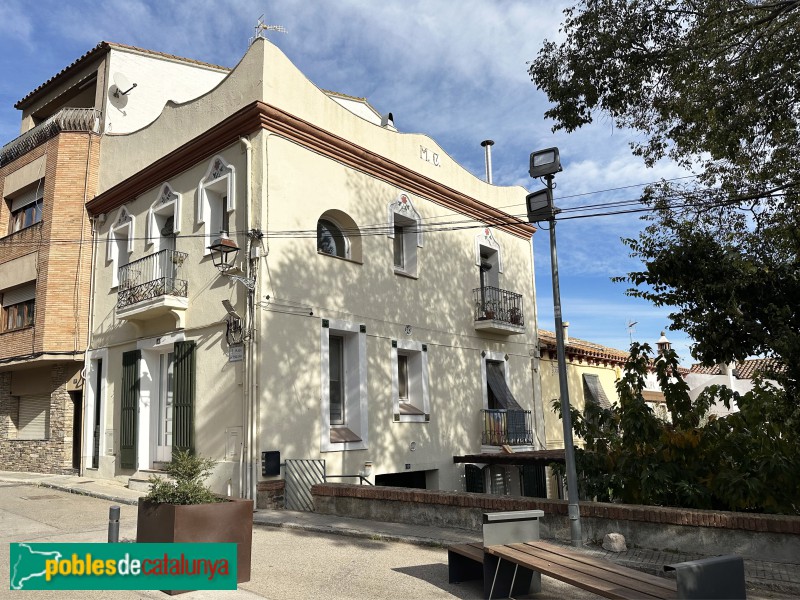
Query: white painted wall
(159, 80)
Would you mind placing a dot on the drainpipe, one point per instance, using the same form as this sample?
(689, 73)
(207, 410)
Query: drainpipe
(248, 365)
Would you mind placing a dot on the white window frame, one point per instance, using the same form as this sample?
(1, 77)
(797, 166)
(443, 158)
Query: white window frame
(401, 213)
(125, 222)
(168, 203)
(92, 396)
(418, 381)
(355, 386)
(486, 239)
(220, 178)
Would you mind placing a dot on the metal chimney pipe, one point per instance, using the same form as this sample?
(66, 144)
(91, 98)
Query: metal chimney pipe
(487, 146)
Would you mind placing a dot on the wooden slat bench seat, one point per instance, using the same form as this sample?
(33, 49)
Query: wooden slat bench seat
(465, 562)
(592, 574)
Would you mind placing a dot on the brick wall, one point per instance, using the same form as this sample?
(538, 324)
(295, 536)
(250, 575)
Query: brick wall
(62, 291)
(270, 494)
(617, 512)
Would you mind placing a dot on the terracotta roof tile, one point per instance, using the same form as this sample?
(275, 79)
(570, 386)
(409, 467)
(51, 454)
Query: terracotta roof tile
(745, 369)
(584, 347)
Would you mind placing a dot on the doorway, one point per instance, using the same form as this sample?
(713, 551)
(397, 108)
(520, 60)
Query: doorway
(77, 429)
(163, 413)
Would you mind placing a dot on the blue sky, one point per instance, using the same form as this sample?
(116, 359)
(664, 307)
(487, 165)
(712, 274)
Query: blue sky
(453, 70)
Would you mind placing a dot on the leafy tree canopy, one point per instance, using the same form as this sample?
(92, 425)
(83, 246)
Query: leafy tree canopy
(715, 86)
(745, 461)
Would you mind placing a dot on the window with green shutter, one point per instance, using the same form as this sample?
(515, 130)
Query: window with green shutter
(129, 402)
(183, 404)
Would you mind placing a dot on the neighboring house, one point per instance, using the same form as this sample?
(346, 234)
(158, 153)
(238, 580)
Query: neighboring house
(592, 374)
(365, 322)
(736, 376)
(46, 176)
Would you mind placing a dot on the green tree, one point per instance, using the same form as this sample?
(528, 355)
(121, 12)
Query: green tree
(715, 86)
(743, 461)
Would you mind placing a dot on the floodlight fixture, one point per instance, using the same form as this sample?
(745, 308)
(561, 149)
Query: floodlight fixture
(539, 205)
(545, 162)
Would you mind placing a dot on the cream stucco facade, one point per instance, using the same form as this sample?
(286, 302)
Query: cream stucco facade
(379, 351)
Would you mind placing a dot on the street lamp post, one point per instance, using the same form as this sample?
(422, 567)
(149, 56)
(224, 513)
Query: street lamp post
(546, 163)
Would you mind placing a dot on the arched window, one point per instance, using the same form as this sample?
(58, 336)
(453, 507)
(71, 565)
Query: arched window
(331, 240)
(338, 235)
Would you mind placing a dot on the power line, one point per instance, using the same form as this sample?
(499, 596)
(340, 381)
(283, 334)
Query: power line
(382, 229)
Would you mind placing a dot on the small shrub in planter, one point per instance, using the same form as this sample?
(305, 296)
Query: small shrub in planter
(186, 510)
(189, 473)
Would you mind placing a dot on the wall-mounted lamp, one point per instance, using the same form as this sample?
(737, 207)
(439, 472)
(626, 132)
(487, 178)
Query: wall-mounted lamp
(367, 471)
(224, 252)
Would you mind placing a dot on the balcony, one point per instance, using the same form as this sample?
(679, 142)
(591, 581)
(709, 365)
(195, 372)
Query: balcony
(151, 287)
(498, 311)
(67, 119)
(507, 427)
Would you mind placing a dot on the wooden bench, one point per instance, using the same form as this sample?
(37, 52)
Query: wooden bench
(511, 561)
(595, 575)
(500, 578)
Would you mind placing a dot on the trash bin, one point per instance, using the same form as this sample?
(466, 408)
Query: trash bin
(718, 577)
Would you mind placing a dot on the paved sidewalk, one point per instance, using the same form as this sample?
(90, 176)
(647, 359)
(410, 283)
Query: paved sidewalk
(783, 578)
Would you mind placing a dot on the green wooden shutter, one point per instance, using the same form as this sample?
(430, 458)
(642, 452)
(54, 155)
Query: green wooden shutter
(183, 403)
(129, 401)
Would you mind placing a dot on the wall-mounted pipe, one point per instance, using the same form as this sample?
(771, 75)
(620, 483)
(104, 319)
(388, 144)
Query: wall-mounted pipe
(487, 147)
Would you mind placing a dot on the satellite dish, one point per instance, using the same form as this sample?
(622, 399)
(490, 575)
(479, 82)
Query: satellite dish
(123, 85)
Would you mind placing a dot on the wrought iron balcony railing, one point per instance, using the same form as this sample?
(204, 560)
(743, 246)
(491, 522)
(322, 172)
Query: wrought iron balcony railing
(151, 277)
(494, 304)
(67, 119)
(512, 427)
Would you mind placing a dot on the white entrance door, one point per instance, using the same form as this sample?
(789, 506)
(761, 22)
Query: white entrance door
(163, 420)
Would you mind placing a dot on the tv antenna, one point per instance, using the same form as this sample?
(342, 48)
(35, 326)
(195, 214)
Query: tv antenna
(261, 28)
(632, 329)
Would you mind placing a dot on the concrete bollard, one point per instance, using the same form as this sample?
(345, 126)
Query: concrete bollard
(113, 525)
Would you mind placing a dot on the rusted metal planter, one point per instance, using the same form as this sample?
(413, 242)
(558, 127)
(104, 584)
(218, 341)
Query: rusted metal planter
(230, 521)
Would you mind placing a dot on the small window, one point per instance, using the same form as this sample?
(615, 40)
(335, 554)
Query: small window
(344, 386)
(26, 207)
(402, 377)
(406, 234)
(399, 250)
(411, 399)
(331, 240)
(216, 199)
(335, 378)
(120, 247)
(19, 307)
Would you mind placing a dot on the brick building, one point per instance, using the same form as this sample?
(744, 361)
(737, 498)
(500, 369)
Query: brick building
(47, 175)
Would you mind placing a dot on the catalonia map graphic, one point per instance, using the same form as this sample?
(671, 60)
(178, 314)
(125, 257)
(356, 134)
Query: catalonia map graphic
(27, 564)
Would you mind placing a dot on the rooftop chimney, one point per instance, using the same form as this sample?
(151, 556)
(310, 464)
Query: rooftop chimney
(565, 329)
(487, 146)
(663, 344)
